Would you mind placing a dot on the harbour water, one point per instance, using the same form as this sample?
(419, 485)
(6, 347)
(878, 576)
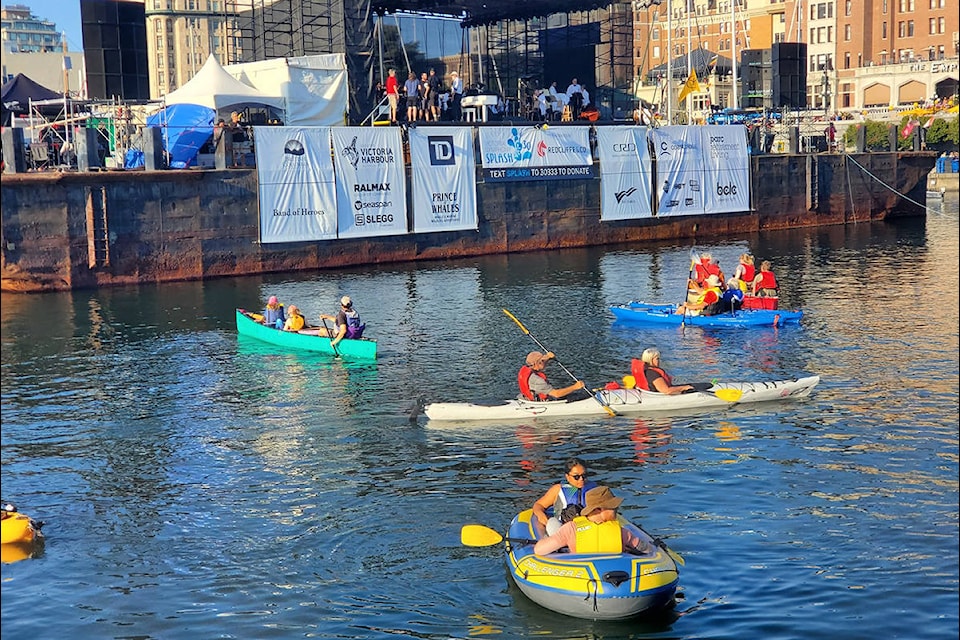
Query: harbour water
(199, 485)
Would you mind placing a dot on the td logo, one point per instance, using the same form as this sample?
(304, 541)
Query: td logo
(441, 150)
(726, 190)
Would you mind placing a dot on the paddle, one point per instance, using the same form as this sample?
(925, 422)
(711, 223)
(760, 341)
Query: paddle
(730, 395)
(603, 404)
(694, 259)
(336, 353)
(477, 535)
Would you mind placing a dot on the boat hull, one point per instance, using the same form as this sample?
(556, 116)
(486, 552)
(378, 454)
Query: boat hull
(601, 586)
(626, 401)
(665, 315)
(19, 529)
(360, 349)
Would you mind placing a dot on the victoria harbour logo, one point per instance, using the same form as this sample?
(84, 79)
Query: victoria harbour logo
(351, 153)
(294, 148)
(441, 150)
(620, 195)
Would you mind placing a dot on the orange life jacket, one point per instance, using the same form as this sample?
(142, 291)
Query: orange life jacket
(523, 379)
(638, 369)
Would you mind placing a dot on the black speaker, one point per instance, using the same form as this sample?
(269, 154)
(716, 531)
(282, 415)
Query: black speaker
(14, 159)
(794, 139)
(789, 63)
(756, 75)
(86, 143)
(153, 149)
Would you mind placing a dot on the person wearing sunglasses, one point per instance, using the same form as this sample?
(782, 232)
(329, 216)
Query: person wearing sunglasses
(562, 502)
(595, 530)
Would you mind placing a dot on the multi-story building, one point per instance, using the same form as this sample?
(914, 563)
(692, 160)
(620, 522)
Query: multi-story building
(23, 32)
(895, 52)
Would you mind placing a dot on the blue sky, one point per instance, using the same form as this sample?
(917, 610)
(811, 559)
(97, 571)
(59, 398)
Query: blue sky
(66, 13)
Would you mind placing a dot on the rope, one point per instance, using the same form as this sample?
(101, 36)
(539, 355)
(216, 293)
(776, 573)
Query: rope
(885, 185)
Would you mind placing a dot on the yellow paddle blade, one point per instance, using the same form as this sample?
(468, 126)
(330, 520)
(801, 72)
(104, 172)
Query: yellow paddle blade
(477, 535)
(629, 382)
(676, 557)
(730, 395)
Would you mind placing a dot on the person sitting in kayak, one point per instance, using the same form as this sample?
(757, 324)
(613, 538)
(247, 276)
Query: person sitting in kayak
(533, 381)
(567, 497)
(295, 320)
(273, 315)
(765, 284)
(708, 299)
(595, 530)
(347, 322)
(649, 376)
(732, 298)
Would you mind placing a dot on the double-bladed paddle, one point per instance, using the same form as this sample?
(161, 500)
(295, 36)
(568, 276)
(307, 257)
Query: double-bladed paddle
(603, 404)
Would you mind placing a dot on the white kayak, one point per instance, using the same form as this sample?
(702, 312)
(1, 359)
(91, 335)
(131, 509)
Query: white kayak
(627, 401)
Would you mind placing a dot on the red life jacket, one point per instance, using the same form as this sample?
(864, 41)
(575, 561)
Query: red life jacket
(749, 272)
(638, 369)
(768, 280)
(700, 273)
(523, 379)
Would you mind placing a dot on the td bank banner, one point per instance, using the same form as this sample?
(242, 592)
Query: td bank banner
(701, 169)
(531, 153)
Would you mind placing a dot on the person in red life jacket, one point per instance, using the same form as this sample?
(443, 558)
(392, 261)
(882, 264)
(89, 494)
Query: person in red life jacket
(533, 381)
(595, 530)
(745, 272)
(708, 299)
(765, 284)
(650, 376)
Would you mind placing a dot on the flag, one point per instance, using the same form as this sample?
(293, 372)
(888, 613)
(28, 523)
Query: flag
(907, 130)
(690, 86)
(929, 123)
(713, 63)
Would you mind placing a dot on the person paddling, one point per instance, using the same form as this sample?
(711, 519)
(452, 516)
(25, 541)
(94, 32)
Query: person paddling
(533, 381)
(650, 376)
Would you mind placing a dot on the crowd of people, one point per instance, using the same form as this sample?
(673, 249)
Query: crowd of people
(710, 293)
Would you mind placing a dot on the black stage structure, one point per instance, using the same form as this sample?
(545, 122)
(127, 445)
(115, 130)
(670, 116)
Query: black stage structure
(521, 45)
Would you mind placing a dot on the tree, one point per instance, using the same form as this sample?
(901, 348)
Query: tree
(944, 133)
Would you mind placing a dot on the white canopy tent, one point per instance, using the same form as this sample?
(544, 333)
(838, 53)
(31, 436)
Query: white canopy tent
(314, 88)
(213, 87)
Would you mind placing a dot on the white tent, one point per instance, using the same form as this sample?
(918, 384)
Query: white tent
(215, 88)
(314, 88)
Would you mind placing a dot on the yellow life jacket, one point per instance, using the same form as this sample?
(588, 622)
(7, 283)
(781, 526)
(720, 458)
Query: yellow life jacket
(703, 295)
(598, 538)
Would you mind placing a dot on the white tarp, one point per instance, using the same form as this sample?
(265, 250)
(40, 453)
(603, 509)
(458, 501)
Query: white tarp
(215, 88)
(532, 153)
(371, 186)
(315, 88)
(680, 170)
(298, 200)
(444, 179)
(727, 168)
(626, 172)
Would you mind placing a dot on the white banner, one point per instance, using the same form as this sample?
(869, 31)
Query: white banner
(727, 165)
(298, 199)
(531, 153)
(626, 173)
(444, 179)
(371, 189)
(680, 170)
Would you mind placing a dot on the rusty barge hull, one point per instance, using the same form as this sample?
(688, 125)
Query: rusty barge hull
(63, 231)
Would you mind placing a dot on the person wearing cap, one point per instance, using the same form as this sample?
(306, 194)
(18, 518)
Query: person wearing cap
(533, 381)
(273, 315)
(765, 283)
(595, 530)
(647, 374)
(347, 322)
(295, 319)
(456, 93)
(565, 497)
(708, 299)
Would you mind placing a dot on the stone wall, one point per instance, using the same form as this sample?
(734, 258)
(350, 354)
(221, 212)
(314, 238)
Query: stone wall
(65, 231)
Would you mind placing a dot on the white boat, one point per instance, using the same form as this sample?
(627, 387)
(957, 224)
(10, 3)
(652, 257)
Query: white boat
(627, 401)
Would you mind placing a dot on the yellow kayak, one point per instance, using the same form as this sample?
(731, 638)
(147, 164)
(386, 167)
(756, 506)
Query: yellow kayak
(17, 527)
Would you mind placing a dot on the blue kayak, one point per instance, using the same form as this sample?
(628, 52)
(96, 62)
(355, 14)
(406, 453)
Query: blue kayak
(666, 314)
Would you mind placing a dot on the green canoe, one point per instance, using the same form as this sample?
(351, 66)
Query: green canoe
(306, 339)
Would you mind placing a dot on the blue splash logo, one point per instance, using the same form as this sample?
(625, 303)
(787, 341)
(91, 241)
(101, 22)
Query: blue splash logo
(521, 149)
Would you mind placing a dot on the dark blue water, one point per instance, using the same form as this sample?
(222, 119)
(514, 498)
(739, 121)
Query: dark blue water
(197, 485)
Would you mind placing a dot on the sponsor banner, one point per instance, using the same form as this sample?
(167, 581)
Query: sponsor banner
(626, 172)
(680, 170)
(444, 179)
(526, 153)
(727, 168)
(298, 200)
(371, 189)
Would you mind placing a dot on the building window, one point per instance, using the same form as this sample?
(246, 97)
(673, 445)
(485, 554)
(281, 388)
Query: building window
(941, 52)
(883, 31)
(933, 25)
(884, 7)
(656, 52)
(846, 60)
(942, 25)
(847, 32)
(909, 28)
(848, 7)
(910, 5)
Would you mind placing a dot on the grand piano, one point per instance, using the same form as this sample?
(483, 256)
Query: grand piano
(479, 104)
